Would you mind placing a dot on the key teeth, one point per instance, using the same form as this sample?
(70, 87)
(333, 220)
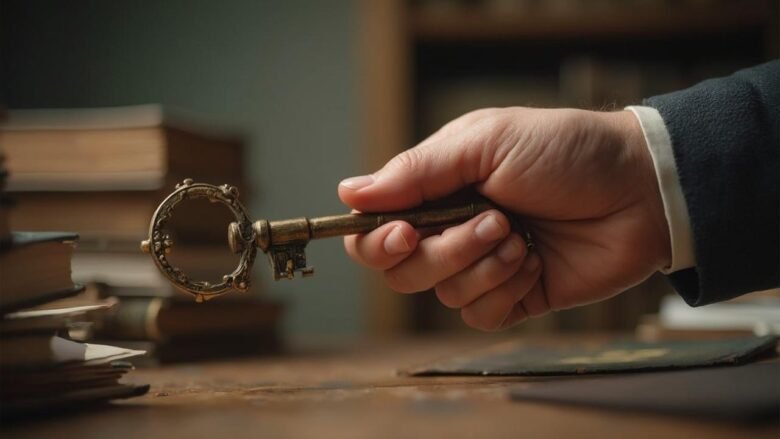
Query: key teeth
(289, 272)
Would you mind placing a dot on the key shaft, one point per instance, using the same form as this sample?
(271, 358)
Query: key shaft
(301, 230)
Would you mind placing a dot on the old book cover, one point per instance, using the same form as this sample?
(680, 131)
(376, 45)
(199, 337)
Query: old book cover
(41, 351)
(117, 219)
(518, 358)
(103, 172)
(68, 401)
(40, 382)
(158, 318)
(206, 347)
(132, 274)
(52, 320)
(140, 147)
(35, 268)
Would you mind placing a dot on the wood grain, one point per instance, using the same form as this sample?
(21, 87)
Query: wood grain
(354, 393)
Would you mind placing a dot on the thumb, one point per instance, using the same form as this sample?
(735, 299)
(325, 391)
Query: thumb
(426, 172)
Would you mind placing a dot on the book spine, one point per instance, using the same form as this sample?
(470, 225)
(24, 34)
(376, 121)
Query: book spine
(134, 319)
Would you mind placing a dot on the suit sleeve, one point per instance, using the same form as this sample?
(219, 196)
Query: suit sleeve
(725, 135)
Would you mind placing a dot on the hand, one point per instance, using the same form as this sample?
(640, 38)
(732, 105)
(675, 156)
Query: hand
(582, 182)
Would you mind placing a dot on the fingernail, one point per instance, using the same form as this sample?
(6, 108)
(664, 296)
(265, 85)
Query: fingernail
(356, 183)
(489, 229)
(395, 243)
(531, 262)
(509, 251)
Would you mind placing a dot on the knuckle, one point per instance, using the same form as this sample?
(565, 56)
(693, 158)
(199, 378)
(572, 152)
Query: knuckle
(399, 282)
(408, 160)
(482, 113)
(515, 318)
(364, 251)
(480, 321)
(468, 119)
(453, 257)
(448, 296)
(497, 126)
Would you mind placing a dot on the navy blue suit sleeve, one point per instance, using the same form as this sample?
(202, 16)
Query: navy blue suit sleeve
(725, 135)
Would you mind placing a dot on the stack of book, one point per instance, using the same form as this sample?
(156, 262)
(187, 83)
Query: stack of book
(41, 366)
(102, 172)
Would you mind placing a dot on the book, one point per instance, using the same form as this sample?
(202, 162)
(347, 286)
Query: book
(67, 388)
(175, 328)
(205, 347)
(103, 171)
(52, 320)
(41, 370)
(67, 377)
(159, 319)
(35, 268)
(45, 350)
(117, 220)
(119, 148)
(132, 273)
(41, 367)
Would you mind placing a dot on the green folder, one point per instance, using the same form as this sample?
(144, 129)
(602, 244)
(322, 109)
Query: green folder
(519, 358)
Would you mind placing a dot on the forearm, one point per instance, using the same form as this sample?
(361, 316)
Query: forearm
(725, 135)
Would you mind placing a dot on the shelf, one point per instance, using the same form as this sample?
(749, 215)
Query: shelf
(479, 24)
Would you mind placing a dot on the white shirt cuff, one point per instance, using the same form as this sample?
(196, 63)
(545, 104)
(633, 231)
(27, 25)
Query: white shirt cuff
(675, 208)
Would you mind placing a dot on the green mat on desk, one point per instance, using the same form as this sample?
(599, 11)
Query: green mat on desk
(521, 358)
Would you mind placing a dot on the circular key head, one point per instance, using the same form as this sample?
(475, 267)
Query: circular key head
(159, 243)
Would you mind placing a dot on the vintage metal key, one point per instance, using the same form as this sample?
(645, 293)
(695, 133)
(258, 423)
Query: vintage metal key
(284, 241)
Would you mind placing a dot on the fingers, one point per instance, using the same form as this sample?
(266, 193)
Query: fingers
(440, 257)
(535, 303)
(478, 266)
(519, 313)
(491, 271)
(490, 311)
(384, 247)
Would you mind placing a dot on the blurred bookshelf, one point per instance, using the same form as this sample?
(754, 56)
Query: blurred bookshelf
(524, 19)
(426, 62)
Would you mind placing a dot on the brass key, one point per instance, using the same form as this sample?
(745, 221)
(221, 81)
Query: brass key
(284, 241)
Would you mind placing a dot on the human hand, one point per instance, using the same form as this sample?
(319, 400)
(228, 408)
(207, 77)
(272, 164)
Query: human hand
(582, 183)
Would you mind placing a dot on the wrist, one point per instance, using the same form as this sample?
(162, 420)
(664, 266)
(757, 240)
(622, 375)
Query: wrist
(644, 178)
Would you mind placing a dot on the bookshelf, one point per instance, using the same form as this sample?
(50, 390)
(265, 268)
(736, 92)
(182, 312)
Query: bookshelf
(427, 61)
(475, 22)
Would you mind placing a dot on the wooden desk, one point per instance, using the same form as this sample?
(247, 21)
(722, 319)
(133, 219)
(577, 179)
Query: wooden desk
(353, 393)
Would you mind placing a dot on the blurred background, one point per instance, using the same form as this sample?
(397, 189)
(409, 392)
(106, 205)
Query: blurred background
(301, 94)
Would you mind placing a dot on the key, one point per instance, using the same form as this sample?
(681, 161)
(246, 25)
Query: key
(284, 241)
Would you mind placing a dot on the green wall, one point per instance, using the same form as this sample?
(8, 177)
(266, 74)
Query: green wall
(282, 72)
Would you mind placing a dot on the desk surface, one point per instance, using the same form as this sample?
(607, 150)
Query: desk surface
(352, 393)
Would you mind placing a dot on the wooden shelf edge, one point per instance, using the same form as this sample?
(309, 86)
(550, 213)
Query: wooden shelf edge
(476, 24)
